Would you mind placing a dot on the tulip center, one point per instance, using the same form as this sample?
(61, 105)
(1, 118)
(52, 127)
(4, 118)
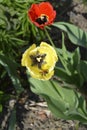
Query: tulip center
(42, 19)
(38, 59)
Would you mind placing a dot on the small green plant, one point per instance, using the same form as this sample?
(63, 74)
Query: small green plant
(61, 84)
(16, 32)
(65, 92)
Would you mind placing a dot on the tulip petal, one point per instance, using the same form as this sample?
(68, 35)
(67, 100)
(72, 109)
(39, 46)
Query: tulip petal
(40, 61)
(36, 12)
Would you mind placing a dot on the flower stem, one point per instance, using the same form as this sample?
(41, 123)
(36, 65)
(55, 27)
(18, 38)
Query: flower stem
(47, 34)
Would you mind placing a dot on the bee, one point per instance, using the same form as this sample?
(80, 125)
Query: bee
(44, 72)
(38, 59)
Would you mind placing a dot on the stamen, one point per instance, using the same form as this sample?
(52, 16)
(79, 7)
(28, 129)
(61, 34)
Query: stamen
(38, 59)
(42, 20)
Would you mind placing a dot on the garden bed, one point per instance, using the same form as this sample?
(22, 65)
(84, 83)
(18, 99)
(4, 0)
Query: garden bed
(32, 110)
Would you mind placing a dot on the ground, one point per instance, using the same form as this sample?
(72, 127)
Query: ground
(32, 110)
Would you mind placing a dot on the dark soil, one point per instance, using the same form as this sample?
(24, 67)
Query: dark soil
(32, 113)
(31, 110)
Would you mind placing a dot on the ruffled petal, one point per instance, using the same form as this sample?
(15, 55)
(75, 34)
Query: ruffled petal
(37, 10)
(25, 57)
(40, 61)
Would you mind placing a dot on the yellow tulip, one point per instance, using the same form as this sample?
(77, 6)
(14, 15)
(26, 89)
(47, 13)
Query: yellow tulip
(40, 61)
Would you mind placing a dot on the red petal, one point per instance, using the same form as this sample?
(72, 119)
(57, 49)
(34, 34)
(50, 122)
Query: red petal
(46, 8)
(37, 10)
(34, 12)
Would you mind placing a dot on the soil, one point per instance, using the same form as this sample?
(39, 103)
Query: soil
(32, 112)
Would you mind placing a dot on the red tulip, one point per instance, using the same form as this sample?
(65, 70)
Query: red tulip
(42, 14)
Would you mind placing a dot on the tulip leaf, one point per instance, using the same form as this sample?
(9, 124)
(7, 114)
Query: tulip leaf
(70, 72)
(75, 60)
(63, 102)
(83, 68)
(12, 120)
(75, 34)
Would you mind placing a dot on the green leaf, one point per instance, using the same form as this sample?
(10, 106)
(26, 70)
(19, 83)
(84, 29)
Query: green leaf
(72, 80)
(4, 97)
(64, 57)
(11, 68)
(83, 69)
(52, 96)
(63, 102)
(75, 34)
(64, 50)
(12, 120)
(1, 107)
(62, 74)
(70, 72)
(76, 59)
(1, 96)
